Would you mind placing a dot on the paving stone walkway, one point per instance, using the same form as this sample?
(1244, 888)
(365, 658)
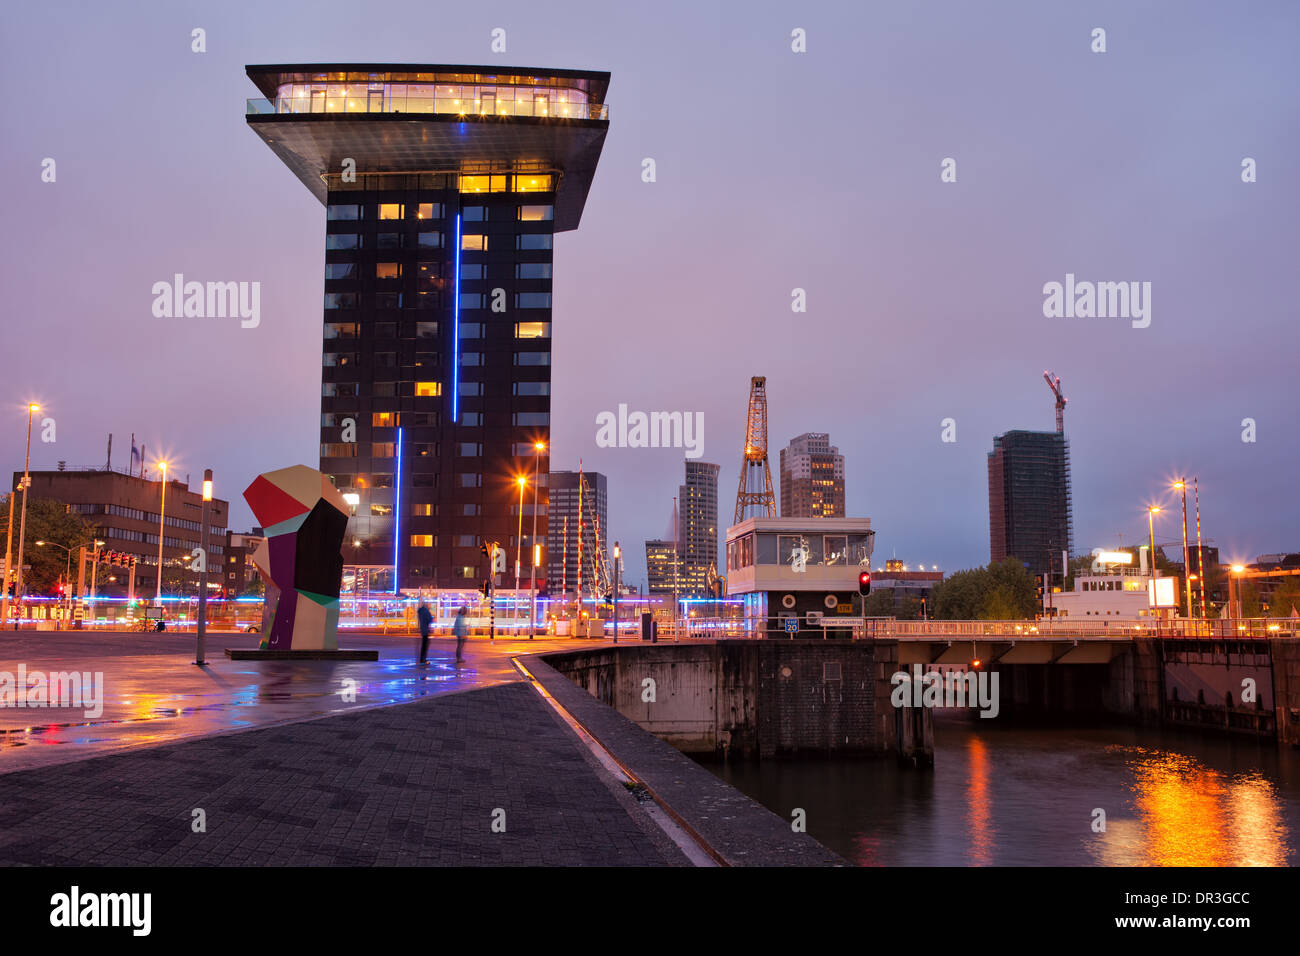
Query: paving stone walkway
(410, 784)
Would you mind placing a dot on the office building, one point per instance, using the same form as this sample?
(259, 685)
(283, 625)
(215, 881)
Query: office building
(124, 511)
(443, 188)
(697, 527)
(1029, 499)
(812, 478)
(240, 577)
(661, 566)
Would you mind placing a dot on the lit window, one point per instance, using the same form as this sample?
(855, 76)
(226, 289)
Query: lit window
(422, 541)
(536, 213)
(482, 184)
(532, 184)
(532, 330)
(384, 419)
(381, 511)
(383, 449)
(473, 243)
(421, 510)
(428, 389)
(388, 270)
(429, 210)
(390, 210)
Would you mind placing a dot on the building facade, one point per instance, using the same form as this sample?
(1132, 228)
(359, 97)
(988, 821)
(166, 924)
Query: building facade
(1029, 499)
(661, 567)
(812, 478)
(124, 509)
(697, 528)
(437, 329)
(562, 555)
(240, 577)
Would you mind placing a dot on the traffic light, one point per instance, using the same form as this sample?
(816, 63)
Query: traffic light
(484, 548)
(864, 583)
(486, 589)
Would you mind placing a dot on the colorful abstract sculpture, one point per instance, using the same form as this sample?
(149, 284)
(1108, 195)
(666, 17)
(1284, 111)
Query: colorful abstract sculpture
(304, 518)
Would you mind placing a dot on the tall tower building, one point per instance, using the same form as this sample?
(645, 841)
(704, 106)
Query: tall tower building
(812, 478)
(443, 188)
(1029, 499)
(697, 526)
(562, 530)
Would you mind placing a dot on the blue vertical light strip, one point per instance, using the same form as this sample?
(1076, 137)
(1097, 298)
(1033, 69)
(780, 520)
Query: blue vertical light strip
(455, 332)
(397, 511)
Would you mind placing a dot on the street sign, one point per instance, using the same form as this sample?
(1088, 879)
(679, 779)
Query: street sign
(792, 625)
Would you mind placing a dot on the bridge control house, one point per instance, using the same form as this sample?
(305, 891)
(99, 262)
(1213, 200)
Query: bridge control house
(798, 577)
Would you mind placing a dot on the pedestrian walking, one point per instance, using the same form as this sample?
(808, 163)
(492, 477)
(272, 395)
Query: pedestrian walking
(459, 629)
(425, 617)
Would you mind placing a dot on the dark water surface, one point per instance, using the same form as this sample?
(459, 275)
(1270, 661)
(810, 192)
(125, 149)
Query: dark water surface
(1025, 796)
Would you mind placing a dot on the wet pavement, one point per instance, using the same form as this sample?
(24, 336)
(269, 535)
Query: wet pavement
(152, 693)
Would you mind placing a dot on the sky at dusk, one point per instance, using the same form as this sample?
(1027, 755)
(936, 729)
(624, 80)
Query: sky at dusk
(775, 171)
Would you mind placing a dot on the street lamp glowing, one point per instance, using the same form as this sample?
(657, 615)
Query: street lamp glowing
(1154, 509)
(1179, 486)
(33, 407)
(1236, 568)
(540, 446)
(207, 489)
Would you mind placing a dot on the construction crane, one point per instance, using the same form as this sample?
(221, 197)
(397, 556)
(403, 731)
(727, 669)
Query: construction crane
(1054, 383)
(755, 458)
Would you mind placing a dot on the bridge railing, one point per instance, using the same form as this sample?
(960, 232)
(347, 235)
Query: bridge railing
(1056, 629)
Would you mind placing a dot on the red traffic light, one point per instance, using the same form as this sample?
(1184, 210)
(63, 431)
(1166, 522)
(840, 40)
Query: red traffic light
(864, 583)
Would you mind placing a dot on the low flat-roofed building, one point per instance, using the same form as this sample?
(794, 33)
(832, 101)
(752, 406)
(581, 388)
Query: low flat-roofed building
(804, 569)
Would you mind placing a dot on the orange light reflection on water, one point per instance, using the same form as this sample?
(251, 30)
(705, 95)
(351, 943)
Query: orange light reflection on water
(1191, 815)
(979, 804)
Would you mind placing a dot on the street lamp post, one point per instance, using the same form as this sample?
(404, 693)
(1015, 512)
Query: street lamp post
(201, 621)
(1200, 554)
(22, 523)
(1234, 591)
(162, 511)
(1181, 485)
(519, 537)
(9, 541)
(617, 553)
(538, 448)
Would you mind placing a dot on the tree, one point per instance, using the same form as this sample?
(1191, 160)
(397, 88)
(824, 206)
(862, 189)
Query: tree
(1000, 591)
(1286, 597)
(879, 603)
(51, 521)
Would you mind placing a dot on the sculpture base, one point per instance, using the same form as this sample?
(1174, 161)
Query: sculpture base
(343, 654)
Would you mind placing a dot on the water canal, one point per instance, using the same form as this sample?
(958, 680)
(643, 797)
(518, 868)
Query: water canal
(1027, 796)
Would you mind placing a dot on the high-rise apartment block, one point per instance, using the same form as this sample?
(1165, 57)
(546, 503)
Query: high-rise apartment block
(443, 188)
(812, 478)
